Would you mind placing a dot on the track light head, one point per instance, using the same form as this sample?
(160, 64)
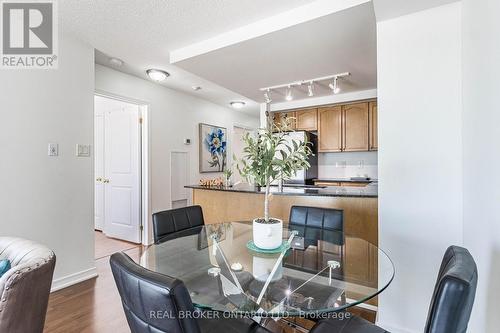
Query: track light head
(334, 86)
(289, 95)
(267, 96)
(310, 89)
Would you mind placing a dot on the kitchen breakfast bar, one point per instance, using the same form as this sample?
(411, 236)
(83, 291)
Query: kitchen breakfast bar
(360, 212)
(245, 202)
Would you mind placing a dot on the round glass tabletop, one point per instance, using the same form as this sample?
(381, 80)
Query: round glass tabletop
(317, 270)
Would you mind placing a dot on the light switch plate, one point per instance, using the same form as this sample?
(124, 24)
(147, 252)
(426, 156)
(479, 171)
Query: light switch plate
(53, 149)
(82, 150)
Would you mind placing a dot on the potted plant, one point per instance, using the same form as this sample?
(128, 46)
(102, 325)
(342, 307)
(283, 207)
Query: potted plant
(228, 172)
(267, 157)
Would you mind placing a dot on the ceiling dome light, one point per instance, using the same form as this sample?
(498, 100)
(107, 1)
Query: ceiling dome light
(157, 74)
(237, 104)
(116, 62)
(310, 89)
(334, 86)
(289, 95)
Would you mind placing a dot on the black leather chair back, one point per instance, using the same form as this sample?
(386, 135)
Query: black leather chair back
(172, 221)
(151, 301)
(324, 218)
(454, 293)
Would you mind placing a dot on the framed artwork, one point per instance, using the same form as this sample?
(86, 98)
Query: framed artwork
(213, 148)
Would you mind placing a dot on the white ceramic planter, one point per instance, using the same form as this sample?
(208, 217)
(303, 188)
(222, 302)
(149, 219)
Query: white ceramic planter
(262, 267)
(267, 236)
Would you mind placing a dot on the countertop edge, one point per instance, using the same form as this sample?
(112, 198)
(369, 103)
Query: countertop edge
(340, 195)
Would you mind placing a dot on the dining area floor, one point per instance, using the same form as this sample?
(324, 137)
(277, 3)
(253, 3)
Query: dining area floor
(94, 306)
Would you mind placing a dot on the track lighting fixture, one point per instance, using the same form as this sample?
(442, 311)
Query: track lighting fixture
(289, 95)
(267, 96)
(331, 80)
(310, 89)
(334, 85)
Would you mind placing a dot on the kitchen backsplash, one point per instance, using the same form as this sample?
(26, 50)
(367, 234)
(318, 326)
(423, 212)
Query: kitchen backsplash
(345, 165)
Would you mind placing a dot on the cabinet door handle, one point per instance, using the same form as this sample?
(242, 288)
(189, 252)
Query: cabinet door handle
(106, 181)
(99, 179)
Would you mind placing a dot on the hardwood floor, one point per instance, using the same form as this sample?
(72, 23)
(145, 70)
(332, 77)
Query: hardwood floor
(105, 246)
(94, 306)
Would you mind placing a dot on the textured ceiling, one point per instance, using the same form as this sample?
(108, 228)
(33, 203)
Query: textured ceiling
(143, 32)
(341, 42)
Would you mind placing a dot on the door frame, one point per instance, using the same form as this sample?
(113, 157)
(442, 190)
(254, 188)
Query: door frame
(145, 178)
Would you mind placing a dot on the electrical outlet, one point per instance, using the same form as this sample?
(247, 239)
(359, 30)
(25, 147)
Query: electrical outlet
(53, 149)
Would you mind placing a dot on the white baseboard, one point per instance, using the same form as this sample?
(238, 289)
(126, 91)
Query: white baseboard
(72, 279)
(395, 329)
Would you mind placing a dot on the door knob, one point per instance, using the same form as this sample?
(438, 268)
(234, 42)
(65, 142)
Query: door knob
(99, 179)
(106, 181)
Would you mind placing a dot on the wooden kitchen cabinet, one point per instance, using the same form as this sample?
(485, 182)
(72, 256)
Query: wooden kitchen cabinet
(279, 119)
(276, 119)
(330, 129)
(355, 127)
(373, 116)
(307, 120)
(292, 116)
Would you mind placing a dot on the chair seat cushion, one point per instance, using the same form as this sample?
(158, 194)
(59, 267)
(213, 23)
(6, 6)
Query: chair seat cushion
(4, 266)
(229, 325)
(352, 324)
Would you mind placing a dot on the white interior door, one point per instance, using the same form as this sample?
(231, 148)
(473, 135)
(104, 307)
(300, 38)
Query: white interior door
(99, 169)
(122, 173)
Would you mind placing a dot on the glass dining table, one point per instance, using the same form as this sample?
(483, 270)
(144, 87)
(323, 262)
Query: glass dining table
(316, 271)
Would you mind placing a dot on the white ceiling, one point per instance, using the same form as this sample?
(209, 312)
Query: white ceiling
(344, 41)
(387, 9)
(231, 48)
(143, 32)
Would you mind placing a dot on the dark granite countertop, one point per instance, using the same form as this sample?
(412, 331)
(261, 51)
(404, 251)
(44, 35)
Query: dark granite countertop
(369, 191)
(345, 180)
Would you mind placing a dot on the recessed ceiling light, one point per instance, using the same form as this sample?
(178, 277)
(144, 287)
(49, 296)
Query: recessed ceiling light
(116, 62)
(237, 104)
(196, 88)
(157, 74)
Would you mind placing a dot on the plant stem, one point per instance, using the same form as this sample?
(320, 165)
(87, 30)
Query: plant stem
(266, 203)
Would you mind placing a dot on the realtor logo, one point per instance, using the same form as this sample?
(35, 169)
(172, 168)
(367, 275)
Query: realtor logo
(29, 34)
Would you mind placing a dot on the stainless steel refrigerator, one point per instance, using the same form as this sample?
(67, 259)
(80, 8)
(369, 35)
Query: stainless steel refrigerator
(305, 176)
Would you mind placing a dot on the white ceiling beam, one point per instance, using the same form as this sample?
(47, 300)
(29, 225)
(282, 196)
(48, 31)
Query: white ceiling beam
(274, 23)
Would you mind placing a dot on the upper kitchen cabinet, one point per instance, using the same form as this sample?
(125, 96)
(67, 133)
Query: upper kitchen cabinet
(276, 119)
(373, 126)
(289, 120)
(355, 124)
(307, 120)
(286, 121)
(330, 129)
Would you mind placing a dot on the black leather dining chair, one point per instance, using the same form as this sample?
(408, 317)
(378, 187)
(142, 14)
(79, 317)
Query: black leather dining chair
(157, 303)
(324, 218)
(175, 223)
(451, 303)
